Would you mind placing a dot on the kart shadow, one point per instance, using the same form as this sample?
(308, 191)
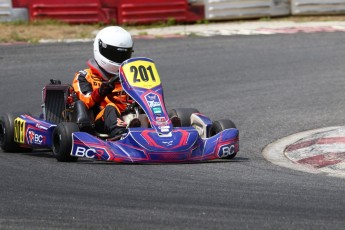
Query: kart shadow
(47, 154)
(217, 161)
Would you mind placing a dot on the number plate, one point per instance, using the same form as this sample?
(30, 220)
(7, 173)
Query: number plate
(141, 74)
(19, 130)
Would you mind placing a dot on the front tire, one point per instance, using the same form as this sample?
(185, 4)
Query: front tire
(219, 126)
(183, 114)
(62, 141)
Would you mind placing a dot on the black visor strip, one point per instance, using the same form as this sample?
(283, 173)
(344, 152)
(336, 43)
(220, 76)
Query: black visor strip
(113, 53)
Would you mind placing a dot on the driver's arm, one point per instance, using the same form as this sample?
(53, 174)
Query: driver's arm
(83, 88)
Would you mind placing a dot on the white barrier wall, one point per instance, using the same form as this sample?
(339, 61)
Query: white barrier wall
(317, 7)
(5, 10)
(20, 14)
(280, 8)
(235, 9)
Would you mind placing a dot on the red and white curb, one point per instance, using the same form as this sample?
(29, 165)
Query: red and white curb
(316, 151)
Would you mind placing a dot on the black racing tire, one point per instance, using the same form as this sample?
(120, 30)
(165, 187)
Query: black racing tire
(219, 126)
(7, 142)
(183, 114)
(62, 141)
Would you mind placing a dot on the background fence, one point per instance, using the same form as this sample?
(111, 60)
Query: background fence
(149, 11)
(228, 9)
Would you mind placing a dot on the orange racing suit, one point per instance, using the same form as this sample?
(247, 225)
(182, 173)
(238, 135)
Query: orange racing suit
(87, 82)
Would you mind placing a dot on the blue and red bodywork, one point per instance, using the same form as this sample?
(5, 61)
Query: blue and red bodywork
(33, 133)
(144, 145)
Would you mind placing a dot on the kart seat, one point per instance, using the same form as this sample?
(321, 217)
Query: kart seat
(83, 117)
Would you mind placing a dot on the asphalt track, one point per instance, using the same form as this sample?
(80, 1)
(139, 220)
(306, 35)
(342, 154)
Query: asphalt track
(270, 86)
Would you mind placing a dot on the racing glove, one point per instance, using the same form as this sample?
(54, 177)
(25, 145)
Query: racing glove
(105, 89)
(99, 94)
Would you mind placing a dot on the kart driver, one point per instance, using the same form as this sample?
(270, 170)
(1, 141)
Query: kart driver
(96, 87)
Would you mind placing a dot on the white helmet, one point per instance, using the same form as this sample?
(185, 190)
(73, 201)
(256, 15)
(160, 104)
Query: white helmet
(111, 47)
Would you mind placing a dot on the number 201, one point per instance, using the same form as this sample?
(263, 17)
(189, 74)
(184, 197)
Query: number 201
(142, 73)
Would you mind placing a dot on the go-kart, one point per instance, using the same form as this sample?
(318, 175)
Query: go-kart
(67, 127)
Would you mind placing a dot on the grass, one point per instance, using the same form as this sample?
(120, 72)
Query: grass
(47, 29)
(33, 32)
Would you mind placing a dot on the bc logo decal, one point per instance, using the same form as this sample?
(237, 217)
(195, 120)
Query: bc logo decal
(80, 151)
(226, 150)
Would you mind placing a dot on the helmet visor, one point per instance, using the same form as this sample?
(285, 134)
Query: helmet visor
(114, 53)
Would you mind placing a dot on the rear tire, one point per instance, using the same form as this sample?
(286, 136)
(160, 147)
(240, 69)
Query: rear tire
(183, 114)
(62, 141)
(7, 142)
(219, 126)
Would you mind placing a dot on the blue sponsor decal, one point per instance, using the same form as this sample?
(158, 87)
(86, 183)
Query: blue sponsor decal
(154, 103)
(36, 137)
